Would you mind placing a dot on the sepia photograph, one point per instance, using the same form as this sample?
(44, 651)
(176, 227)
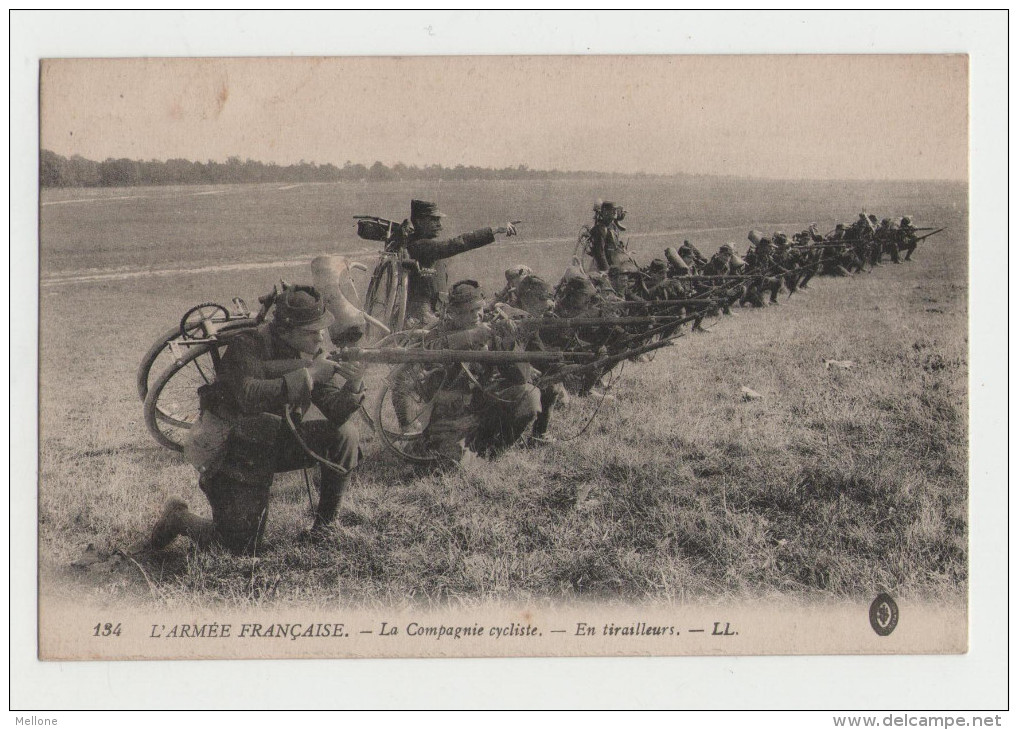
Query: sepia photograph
(513, 355)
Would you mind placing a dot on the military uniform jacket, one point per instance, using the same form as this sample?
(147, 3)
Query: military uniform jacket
(260, 373)
(431, 254)
(604, 244)
(464, 378)
(718, 265)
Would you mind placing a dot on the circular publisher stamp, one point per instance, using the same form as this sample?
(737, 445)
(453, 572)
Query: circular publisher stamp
(883, 614)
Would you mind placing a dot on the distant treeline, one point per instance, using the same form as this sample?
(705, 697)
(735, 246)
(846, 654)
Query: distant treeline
(57, 171)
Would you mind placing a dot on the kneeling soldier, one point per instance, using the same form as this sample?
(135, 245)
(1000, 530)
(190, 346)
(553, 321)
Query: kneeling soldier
(241, 440)
(477, 409)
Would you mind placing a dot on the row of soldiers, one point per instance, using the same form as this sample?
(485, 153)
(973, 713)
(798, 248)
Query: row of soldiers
(770, 263)
(618, 312)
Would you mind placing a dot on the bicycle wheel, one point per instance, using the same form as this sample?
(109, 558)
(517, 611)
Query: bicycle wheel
(386, 298)
(583, 251)
(171, 405)
(404, 410)
(160, 349)
(397, 318)
(160, 357)
(375, 297)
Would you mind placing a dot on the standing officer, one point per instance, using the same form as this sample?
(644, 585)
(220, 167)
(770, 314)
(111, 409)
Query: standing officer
(241, 440)
(425, 290)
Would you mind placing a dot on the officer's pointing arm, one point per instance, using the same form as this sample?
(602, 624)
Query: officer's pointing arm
(428, 250)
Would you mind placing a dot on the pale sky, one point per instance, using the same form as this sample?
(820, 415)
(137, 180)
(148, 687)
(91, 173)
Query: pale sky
(864, 117)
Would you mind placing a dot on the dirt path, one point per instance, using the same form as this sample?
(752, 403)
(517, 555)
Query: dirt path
(94, 275)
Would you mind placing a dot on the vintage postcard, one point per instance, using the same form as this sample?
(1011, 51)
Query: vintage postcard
(503, 356)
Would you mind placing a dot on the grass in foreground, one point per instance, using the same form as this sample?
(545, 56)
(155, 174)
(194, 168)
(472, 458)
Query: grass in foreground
(835, 483)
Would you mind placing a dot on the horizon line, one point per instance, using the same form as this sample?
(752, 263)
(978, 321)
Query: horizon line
(513, 167)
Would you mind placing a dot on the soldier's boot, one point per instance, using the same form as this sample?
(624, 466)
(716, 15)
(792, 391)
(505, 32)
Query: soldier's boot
(343, 449)
(333, 487)
(539, 433)
(775, 290)
(550, 396)
(176, 520)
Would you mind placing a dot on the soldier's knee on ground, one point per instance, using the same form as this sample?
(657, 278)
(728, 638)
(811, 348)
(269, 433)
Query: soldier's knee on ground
(250, 449)
(239, 510)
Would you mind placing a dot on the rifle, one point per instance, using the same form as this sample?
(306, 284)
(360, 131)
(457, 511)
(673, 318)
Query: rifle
(920, 238)
(577, 322)
(663, 328)
(701, 277)
(606, 362)
(833, 244)
(397, 355)
(654, 303)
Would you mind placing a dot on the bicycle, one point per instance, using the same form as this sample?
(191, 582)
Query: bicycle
(386, 297)
(186, 358)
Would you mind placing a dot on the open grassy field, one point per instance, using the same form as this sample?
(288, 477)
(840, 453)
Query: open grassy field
(836, 483)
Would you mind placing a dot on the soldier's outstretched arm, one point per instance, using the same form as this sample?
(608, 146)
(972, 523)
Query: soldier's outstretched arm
(427, 251)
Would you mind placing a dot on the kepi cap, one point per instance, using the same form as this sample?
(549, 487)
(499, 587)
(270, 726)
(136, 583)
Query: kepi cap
(423, 209)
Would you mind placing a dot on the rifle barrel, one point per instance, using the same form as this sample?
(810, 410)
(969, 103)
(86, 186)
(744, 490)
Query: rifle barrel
(700, 277)
(666, 302)
(932, 233)
(574, 322)
(396, 355)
